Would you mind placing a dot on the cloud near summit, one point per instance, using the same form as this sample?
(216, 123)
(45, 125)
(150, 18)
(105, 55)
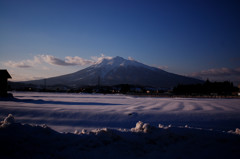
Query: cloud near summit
(219, 74)
(69, 61)
(50, 59)
(24, 63)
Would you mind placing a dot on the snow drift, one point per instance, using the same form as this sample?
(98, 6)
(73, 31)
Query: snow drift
(102, 126)
(143, 141)
(67, 112)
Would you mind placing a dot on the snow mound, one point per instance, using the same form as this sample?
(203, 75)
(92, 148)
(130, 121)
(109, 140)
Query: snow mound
(237, 131)
(142, 141)
(143, 127)
(8, 120)
(164, 127)
(147, 128)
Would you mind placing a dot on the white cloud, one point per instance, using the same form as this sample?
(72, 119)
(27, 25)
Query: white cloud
(78, 61)
(99, 59)
(45, 68)
(38, 68)
(219, 74)
(54, 60)
(163, 67)
(130, 58)
(49, 59)
(23, 63)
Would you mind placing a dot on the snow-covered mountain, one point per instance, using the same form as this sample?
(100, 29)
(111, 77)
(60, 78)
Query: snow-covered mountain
(117, 70)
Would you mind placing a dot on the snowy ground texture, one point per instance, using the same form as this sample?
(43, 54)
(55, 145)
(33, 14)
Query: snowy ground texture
(200, 128)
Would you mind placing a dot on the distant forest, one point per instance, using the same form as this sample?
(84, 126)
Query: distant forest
(207, 88)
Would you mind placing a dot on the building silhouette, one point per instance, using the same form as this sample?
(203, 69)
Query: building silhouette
(4, 75)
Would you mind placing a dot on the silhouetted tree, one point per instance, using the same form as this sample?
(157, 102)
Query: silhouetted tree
(207, 88)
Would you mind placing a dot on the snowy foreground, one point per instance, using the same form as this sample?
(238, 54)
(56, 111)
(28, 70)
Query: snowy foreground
(108, 126)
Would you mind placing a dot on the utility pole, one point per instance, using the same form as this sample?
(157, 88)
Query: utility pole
(45, 84)
(98, 81)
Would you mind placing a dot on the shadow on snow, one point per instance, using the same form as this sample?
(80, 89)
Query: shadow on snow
(40, 101)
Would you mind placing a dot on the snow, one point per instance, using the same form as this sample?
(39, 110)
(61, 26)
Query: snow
(143, 141)
(111, 64)
(70, 112)
(8, 120)
(59, 125)
(143, 127)
(237, 131)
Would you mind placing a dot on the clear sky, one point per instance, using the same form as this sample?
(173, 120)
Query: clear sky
(45, 38)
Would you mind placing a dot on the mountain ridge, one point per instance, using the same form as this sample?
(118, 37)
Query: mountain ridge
(117, 70)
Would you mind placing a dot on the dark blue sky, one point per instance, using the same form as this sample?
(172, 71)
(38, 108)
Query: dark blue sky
(182, 36)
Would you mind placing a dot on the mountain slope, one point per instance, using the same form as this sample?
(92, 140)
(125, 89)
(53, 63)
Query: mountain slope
(119, 71)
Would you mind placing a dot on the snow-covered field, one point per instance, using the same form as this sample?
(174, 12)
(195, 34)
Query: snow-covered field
(189, 127)
(70, 112)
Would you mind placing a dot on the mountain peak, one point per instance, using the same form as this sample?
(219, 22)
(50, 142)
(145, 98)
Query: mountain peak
(109, 59)
(108, 65)
(117, 70)
(118, 62)
(118, 57)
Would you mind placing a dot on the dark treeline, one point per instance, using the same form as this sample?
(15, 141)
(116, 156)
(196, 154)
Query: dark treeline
(207, 88)
(121, 88)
